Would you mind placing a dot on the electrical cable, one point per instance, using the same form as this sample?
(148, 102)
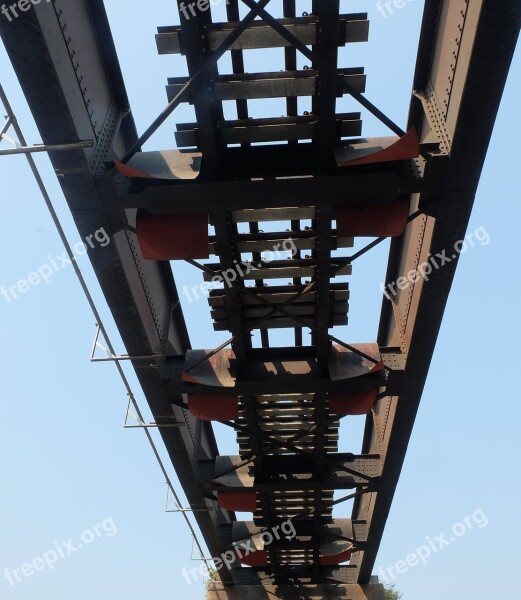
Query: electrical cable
(90, 300)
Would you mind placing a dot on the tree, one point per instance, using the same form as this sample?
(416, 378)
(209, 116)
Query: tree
(213, 579)
(392, 594)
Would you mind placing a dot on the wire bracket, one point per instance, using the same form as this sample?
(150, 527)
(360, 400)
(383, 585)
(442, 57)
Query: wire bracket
(142, 425)
(178, 508)
(109, 357)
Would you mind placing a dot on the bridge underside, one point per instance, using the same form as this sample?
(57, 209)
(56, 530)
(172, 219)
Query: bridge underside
(266, 591)
(273, 206)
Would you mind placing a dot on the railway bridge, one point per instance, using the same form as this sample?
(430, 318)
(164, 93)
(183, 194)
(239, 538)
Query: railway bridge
(269, 211)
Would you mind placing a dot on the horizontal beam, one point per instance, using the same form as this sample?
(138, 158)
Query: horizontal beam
(279, 269)
(299, 310)
(346, 574)
(241, 530)
(287, 472)
(277, 371)
(47, 148)
(270, 384)
(289, 384)
(271, 242)
(278, 129)
(321, 190)
(339, 483)
(278, 84)
(281, 294)
(353, 28)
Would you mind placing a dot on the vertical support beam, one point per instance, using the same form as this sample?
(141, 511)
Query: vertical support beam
(290, 55)
(229, 257)
(232, 12)
(206, 110)
(322, 225)
(324, 103)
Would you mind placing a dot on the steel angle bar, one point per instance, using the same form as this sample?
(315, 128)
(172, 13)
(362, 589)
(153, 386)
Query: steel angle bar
(179, 508)
(313, 57)
(298, 516)
(46, 148)
(266, 437)
(280, 308)
(327, 532)
(202, 558)
(275, 309)
(310, 325)
(379, 240)
(21, 148)
(307, 527)
(272, 452)
(212, 60)
(112, 357)
(141, 424)
(5, 127)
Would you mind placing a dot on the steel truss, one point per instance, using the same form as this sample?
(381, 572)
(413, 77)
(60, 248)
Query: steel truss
(308, 169)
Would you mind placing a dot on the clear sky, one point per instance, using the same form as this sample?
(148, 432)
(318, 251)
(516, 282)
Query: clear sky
(72, 476)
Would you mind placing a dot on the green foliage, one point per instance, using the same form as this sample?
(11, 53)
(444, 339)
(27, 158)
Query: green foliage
(392, 594)
(213, 579)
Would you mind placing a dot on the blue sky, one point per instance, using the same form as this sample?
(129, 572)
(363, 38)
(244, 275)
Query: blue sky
(67, 464)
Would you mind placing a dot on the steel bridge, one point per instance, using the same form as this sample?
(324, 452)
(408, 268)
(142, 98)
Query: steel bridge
(302, 188)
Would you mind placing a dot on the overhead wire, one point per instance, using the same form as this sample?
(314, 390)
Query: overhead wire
(99, 321)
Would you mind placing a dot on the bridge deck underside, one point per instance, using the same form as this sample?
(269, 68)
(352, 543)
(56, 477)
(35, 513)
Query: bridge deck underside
(298, 289)
(282, 199)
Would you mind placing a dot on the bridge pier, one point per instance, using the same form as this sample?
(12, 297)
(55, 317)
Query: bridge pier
(298, 592)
